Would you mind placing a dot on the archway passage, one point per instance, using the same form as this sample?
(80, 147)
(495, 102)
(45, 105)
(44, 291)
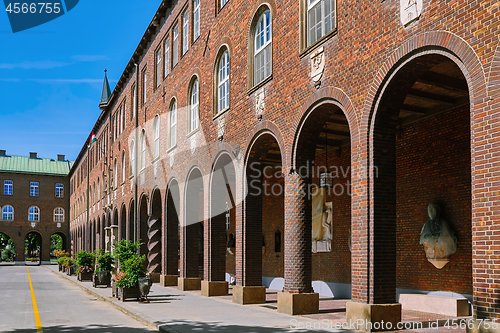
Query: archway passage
(57, 243)
(264, 215)
(221, 256)
(33, 247)
(421, 155)
(323, 162)
(131, 229)
(172, 230)
(192, 234)
(123, 223)
(143, 226)
(155, 237)
(7, 249)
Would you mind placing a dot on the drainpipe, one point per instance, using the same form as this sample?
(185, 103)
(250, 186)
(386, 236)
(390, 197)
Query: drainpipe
(136, 145)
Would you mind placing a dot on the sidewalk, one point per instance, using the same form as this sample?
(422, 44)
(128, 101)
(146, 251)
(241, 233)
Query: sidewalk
(172, 310)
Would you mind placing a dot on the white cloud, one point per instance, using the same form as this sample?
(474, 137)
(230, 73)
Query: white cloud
(41, 64)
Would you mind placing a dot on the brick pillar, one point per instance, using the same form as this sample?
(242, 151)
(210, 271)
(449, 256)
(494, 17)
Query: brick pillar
(298, 224)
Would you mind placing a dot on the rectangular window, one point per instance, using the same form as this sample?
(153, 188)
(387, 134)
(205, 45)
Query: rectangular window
(223, 2)
(196, 19)
(167, 56)
(59, 190)
(175, 46)
(144, 86)
(320, 19)
(185, 31)
(8, 187)
(173, 126)
(159, 63)
(33, 189)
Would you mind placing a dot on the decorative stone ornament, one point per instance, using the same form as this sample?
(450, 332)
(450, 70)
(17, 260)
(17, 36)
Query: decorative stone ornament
(260, 103)
(438, 238)
(193, 144)
(172, 159)
(410, 10)
(221, 128)
(317, 64)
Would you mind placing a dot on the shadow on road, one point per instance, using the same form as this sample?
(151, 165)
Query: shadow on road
(89, 329)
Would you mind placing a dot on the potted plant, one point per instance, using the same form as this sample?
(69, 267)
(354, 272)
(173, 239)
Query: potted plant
(132, 269)
(60, 263)
(69, 265)
(124, 250)
(104, 266)
(85, 263)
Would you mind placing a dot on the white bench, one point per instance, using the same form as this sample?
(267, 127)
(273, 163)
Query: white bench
(448, 306)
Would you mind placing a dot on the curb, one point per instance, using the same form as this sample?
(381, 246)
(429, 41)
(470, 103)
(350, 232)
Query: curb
(140, 317)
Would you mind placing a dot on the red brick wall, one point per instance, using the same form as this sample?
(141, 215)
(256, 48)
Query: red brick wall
(433, 165)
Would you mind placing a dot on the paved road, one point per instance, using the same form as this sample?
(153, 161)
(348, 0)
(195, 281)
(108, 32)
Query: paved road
(62, 306)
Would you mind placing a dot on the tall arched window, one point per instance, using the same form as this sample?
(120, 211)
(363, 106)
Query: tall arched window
(194, 115)
(263, 47)
(320, 19)
(173, 124)
(98, 189)
(8, 213)
(59, 214)
(132, 158)
(223, 82)
(143, 150)
(156, 136)
(34, 214)
(115, 174)
(123, 167)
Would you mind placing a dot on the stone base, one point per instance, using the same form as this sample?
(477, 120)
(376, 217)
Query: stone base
(485, 326)
(214, 288)
(186, 284)
(168, 280)
(249, 294)
(155, 277)
(298, 304)
(369, 317)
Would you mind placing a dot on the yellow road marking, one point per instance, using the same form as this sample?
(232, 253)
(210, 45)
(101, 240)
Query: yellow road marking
(38, 322)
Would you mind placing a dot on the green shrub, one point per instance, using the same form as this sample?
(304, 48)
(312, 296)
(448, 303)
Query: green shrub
(125, 249)
(104, 262)
(60, 261)
(133, 268)
(85, 259)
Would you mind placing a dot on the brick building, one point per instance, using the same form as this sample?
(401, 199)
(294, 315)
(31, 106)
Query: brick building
(33, 200)
(229, 114)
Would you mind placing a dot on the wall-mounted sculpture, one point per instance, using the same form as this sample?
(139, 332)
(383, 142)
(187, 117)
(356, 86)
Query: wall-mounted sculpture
(438, 238)
(322, 218)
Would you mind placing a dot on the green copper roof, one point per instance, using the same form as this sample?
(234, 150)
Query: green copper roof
(106, 91)
(34, 165)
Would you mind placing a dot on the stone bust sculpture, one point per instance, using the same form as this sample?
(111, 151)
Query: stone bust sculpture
(438, 238)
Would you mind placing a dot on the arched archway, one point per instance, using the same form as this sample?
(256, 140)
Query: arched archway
(7, 249)
(222, 252)
(123, 222)
(58, 241)
(420, 154)
(143, 225)
(154, 241)
(131, 229)
(263, 214)
(172, 229)
(33, 247)
(192, 233)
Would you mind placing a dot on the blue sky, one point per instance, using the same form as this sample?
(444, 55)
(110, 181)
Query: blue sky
(51, 76)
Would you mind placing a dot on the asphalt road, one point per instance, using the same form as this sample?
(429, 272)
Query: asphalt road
(62, 306)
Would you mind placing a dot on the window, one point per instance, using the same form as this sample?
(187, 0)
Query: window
(8, 213)
(8, 187)
(59, 191)
(143, 151)
(115, 175)
(196, 19)
(173, 124)
(123, 167)
(144, 86)
(33, 189)
(185, 31)
(175, 46)
(320, 19)
(223, 82)
(134, 101)
(59, 214)
(223, 2)
(132, 158)
(194, 116)
(159, 77)
(34, 214)
(167, 56)
(263, 48)
(98, 189)
(156, 136)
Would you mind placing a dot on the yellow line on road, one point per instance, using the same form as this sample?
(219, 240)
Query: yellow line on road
(38, 322)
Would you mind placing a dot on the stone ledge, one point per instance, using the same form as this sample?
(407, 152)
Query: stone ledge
(214, 288)
(298, 304)
(186, 284)
(448, 306)
(168, 280)
(373, 317)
